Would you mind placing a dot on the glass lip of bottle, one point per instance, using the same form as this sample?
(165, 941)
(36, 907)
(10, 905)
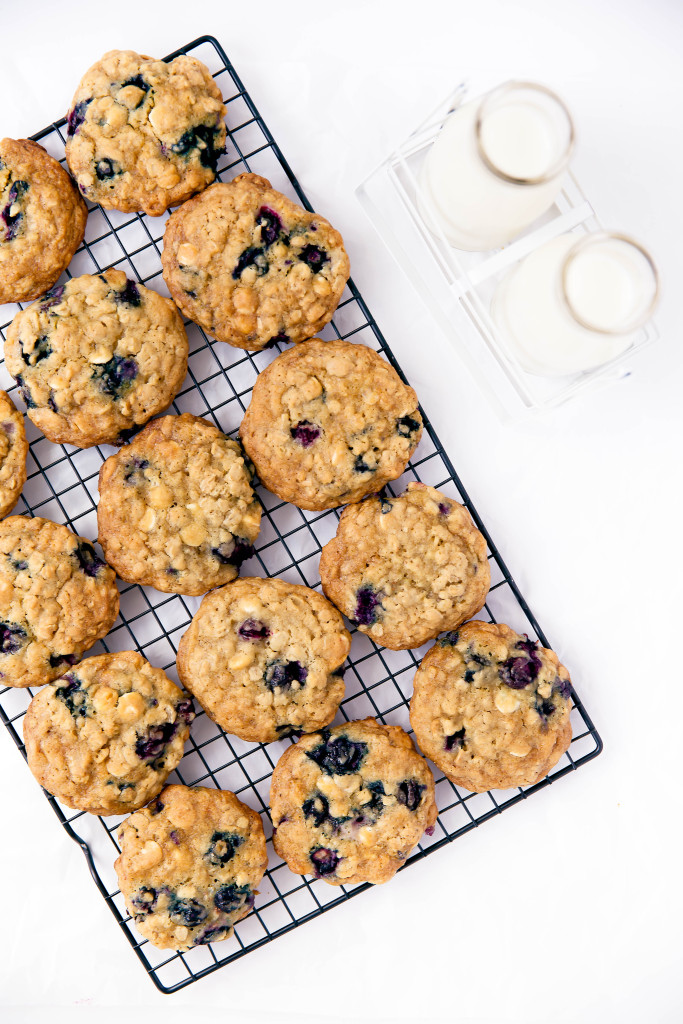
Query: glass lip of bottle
(599, 237)
(490, 99)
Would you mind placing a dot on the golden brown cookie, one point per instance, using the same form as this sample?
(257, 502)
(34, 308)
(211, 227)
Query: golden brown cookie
(328, 423)
(42, 220)
(263, 657)
(491, 708)
(250, 266)
(96, 358)
(13, 451)
(56, 599)
(350, 803)
(177, 510)
(189, 866)
(143, 134)
(404, 569)
(105, 736)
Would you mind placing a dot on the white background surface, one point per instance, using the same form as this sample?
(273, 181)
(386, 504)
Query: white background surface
(568, 907)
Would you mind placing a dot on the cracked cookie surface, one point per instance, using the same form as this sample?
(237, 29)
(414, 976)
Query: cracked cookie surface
(177, 510)
(263, 658)
(250, 266)
(105, 736)
(328, 423)
(404, 569)
(491, 708)
(42, 220)
(57, 598)
(350, 803)
(96, 358)
(189, 866)
(13, 451)
(143, 134)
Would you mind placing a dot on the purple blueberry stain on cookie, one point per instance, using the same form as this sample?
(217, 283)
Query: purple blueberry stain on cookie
(51, 298)
(41, 350)
(7, 427)
(305, 432)
(186, 911)
(106, 169)
(407, 425)
(368, 605)
(231, 897)
(185, 711)
(317, 809)
(73, 695)
(87, 559)
(152, 744)
(222, 847)
(251, 257)
(174, 837)
(134, 467)
(11, 214)
(324, 861)
(18, 564)
(281, 674)
(139, 83)
(314, 257)
(144, 900)
(517, 673)
(338, 756)
(545, 709)
(129, 295)
(116, 376)
(456, 741)
(215, 934)
(12, 638)
(233, 552)
(25, 392)
(204, 139)
(409, 793)
(285, 730)
(563, 687)
(253, 629)
(271, 225)
(385, 506)
(361, 466)
(76, 117)
(444, 509)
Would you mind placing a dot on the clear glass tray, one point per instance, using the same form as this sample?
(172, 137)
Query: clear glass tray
(458, 286)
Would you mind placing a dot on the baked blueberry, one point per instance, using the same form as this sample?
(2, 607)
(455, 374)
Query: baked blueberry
(88, 560)
(338, 755)
(12, 638)
(253, 629)
(305, 433)
(456, 740)
(73, 695)
(222, 848)
(230, 897)
(251, 257)
(116, 375)
(410, 793)
(189, 912)
(129, 294)
(270, 224)
(281, 674)
(314, 257)
(324, 861)
(407, 425)
(368, 605)
(76, 117)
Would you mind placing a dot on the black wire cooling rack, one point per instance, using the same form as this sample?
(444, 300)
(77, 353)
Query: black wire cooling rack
(62, 485)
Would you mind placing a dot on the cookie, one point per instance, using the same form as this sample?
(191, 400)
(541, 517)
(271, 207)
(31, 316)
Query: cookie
(491, 708)
(404, 569)
(263, 657)
(177, 510)
(105, 736)
(96, 358)
(328, 423)
(189, 866)
(42, 220)
(250, 266)
(143, 134)
(57, 598)
(350, 803)
(13, 451)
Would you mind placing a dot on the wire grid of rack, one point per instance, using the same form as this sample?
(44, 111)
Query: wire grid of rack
(62, 485)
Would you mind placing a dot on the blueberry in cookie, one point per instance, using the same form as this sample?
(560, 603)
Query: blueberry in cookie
(13, 451)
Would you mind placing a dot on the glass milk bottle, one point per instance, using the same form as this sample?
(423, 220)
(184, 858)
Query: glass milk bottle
(573, 305)
(496, 165)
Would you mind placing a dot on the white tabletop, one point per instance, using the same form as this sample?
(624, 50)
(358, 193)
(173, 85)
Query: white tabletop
(567, 907)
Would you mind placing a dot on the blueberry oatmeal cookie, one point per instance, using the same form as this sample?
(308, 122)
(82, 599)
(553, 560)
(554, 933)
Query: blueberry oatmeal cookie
(404, 569)
(491, 708)
(143, 134)
(13, 451)
(56, 599)
(251, 267)
(349, 804)
(328, 423)
(177, 510)
(96, 358)
(263, 657)
(105, 736)
(42, 220)
(189, 866)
